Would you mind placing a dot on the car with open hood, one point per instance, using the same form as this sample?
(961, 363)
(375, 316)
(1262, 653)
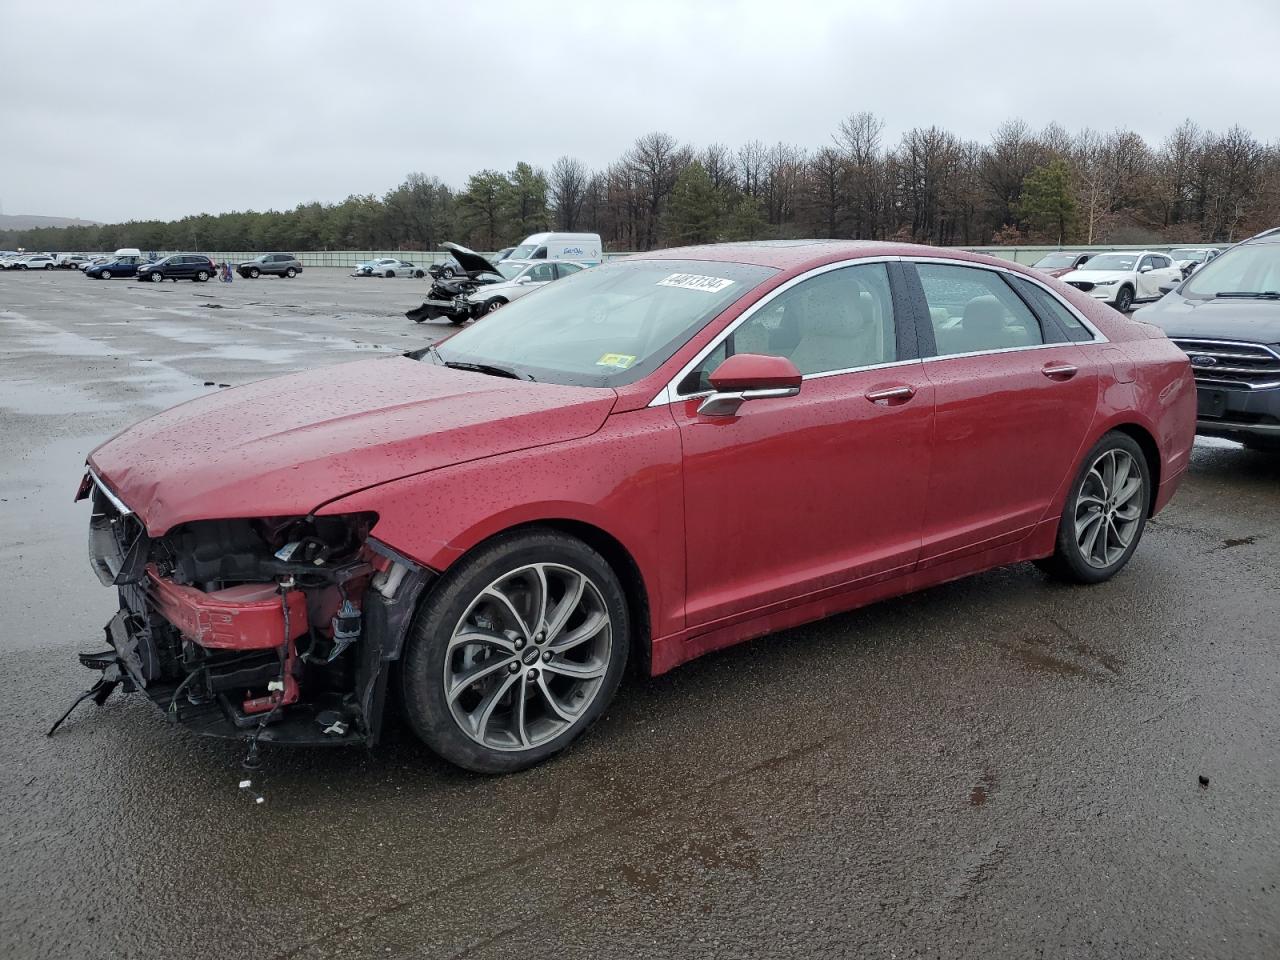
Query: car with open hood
(649, 460)
(1124, 278)
(520, 278)
(1226, 316)
(446, 299)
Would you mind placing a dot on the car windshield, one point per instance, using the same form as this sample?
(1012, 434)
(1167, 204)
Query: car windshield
(522, 252)
(1249, 269)
(1196, 255)
(1111, 261)
(607, 326)
(510, 271)
(1055, 261)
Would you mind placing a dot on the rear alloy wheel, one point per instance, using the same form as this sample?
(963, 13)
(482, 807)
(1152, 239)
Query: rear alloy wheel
(254, 273)
(1124, 299)
(202, 276)
(157, 277)
(517, 652)
(1105, 514)
(291, 273)
(448, 273)
(48, 266)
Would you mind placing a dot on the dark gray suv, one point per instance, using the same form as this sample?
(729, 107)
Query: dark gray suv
(1226, 316)
(279, 264)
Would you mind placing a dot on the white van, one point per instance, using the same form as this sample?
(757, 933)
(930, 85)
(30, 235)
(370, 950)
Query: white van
(580, 247)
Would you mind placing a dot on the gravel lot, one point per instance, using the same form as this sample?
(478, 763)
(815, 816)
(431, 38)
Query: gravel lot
(1001, 767)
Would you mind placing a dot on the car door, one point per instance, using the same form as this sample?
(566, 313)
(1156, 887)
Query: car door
(1013, 404)
(798, 495)
(537, 277)
(1168, 271)
(1147, 279)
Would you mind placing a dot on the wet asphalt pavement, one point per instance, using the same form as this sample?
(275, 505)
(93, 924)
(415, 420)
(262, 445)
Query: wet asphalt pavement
(1001, 767)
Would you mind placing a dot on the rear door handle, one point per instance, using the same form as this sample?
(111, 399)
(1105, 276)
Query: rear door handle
(888, 396)
(1059, 371)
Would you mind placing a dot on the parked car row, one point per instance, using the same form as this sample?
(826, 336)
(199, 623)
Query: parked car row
(1124, 278)
(27, 261)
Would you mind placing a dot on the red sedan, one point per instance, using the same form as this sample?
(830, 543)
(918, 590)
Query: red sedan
(654, 458)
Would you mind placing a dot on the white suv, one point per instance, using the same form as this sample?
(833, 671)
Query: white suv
(1125, 278)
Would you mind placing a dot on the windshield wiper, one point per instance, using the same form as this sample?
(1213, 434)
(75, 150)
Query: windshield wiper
(1250, 294)
(489, 368)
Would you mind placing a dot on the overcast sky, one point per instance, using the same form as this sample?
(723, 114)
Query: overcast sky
(114, 111)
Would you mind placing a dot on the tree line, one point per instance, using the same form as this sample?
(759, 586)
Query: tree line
(1023, 186)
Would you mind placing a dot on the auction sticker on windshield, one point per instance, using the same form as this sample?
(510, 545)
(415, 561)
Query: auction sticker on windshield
(692, 281)
(619, 360)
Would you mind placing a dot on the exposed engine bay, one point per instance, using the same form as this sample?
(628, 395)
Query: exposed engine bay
(444, 299)
(279, 628)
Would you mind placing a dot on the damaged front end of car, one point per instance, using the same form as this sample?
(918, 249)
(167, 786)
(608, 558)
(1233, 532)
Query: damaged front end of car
(280, 629)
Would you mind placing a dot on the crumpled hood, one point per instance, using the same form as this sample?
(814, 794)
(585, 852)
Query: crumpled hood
(1251, 321)
(1096, 276)
(469, 260)
(282, 447)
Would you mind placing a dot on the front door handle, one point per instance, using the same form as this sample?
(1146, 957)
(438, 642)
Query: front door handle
(888, 396)
(1059, 371)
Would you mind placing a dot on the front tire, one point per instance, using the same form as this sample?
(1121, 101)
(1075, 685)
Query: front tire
(157, 277)
(1124, 299)
(390, 274)
(105, 275)
(1105, 513)
(254, 273)
(493, 306)
(48, 266)
(516, 652)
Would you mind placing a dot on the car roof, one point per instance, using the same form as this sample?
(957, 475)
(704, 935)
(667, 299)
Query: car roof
(800, 255)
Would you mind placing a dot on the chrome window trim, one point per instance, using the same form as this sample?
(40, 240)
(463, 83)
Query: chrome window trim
(668, 393)
(106, 492)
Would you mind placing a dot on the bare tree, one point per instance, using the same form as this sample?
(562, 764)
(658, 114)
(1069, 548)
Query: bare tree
(568, 190)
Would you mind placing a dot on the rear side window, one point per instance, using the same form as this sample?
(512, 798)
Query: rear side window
(1049, 306)
(973, 310)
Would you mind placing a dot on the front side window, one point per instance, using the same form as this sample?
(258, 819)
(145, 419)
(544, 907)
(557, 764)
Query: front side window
(610, 325)
(973, 310)
(838, 320)
(542, 273)
(568, 268)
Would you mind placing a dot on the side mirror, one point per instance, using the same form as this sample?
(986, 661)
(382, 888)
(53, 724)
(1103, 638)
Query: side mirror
(749, 376)
(522, 281)
(1145, 268)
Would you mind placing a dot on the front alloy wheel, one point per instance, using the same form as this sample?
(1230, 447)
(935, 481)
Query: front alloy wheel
(1105, 513)
(516, 652)
(1124, 299)
(156, 277)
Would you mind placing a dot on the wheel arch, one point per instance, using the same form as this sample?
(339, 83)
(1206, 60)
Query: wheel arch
(616, 554)
(1150, 451)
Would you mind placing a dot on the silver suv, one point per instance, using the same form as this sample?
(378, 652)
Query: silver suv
(280, 264)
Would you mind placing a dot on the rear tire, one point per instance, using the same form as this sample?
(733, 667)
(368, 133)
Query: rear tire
(1124, 299)
(1105, 513)
(549, 620)
(48, 266)
(291, 273)
(201, 276)
(448, 273)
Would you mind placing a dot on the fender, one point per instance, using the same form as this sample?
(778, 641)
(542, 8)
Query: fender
(624, 480)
